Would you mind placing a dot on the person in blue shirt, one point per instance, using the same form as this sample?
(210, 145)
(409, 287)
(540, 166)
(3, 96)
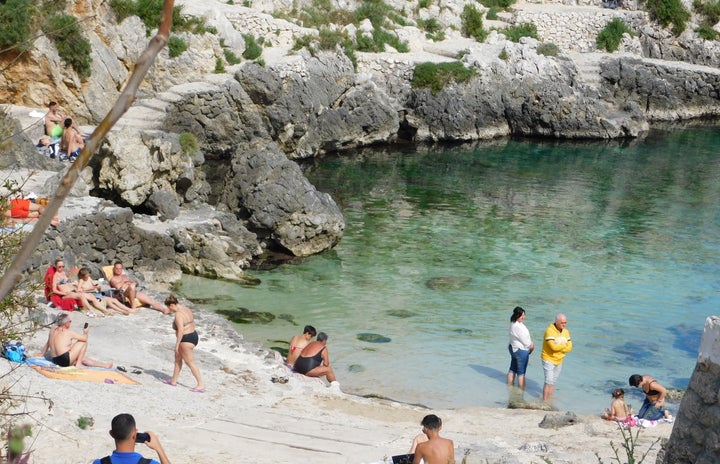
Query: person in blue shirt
(126, 436)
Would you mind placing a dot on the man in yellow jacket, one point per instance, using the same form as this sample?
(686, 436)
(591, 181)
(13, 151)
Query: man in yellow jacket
(556, 344)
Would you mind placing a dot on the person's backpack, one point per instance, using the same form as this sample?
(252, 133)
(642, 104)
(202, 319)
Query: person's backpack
(15, 352)
(106, 460)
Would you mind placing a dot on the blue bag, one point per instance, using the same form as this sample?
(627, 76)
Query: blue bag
(15, 352)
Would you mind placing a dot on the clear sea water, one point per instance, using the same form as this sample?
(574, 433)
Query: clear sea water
(441, 243)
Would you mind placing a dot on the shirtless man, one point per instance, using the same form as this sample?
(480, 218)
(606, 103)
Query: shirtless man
(435, 450)
(63, 351)
(72, 140)
(54, 118)
(298, 342)
(129, 288)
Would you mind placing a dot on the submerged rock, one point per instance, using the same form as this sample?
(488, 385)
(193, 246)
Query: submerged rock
(245, 316)
(401, 313)
(447, 283)
(373, 338)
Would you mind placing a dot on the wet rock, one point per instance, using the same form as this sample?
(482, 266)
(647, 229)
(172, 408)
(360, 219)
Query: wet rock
(373, 338)
(447, 283)
(245, 316)
(555, 421)
(401, 313)
(356, 368)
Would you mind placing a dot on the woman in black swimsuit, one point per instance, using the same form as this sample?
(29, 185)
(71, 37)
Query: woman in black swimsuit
(314, 360)
(187, 340)
(653, 405)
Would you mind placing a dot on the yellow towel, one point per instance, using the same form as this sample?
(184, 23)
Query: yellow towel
(85, 375)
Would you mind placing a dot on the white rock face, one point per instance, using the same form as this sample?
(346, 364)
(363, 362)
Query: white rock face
(710, 343)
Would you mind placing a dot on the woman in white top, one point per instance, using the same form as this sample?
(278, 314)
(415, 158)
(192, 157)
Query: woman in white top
(520, 347)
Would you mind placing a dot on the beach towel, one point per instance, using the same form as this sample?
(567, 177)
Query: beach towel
(66, 304)
(93, 374)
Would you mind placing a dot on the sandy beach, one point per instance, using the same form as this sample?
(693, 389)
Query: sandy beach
(245, 417)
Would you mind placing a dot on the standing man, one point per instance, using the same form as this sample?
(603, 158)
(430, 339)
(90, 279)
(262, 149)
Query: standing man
(298, 342)
(556, 344)
(125, 433)
(436, 450)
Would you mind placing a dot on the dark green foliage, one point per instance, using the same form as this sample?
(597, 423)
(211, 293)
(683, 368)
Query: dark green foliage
(503, 55)
(15, 30)
(329, 39)
(253, 50)
(230, 57)
(434, 76)
(472, 23)
(71, 44)
(492, 13)
(514, 33)
(710, 10)
(667, 12)
(397, 19)
(188, 142)
(462, 53)
(176, 46)
(150, 12)
(431, 25)
(424, 3)
(707, 33)
(374, 10)
(610, 37)
(548, 49)
(123, 9)
(219, 66)
(498, 4)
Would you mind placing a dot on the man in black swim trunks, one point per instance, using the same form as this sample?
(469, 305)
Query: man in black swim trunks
(63, 351)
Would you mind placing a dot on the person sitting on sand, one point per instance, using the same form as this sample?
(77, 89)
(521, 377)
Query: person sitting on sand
(653, 407)
(619, 410)
(128, 287)
(314, 360)
(186, 341)
(436, 450)
(67, 348)
(125, 434)
(25, 211)
(105, 304)
(298, 342)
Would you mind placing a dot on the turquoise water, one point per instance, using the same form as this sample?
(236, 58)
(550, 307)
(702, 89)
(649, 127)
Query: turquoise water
(442, 243)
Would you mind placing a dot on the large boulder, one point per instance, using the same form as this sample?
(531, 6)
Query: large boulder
(282, 204)
(134, 164)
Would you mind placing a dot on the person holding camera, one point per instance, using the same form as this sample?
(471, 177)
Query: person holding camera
(125, 434)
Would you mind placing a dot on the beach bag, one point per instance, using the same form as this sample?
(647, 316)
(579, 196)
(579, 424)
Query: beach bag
(56, 131)
(15, 352)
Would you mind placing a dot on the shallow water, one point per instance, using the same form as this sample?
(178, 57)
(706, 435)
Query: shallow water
(442, 243)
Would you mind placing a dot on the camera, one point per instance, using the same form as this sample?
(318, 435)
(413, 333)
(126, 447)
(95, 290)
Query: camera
(142, 437)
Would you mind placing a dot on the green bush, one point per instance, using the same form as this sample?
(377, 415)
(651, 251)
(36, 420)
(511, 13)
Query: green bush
(15, 30)
(434, 76)
(123, 9)
(472, 23)
(710, 10)
(329, 39)
(252, 49)
(610, 37)
(219, 66)
(176, 46)
(462, 53)
(430, 25)
(503, 55)
(71, 44)
(424, 3)
(188, 143)
(374, 10)
(230, 57)
(667, 12)
(548, 49)
(514, 33)
(498, 4)
(492, 13)
(707, 32)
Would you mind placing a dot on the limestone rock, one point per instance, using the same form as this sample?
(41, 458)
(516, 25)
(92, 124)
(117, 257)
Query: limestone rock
(164, 204)
(555, 421)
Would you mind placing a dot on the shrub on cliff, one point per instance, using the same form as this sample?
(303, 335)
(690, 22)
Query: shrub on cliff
(667, 12)
(514, 33)
(710, 11)
(15, 28)
(499, 4)
(472, 23)
(610, 37)
(71, 44)
(434, 76)
(253, 50)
